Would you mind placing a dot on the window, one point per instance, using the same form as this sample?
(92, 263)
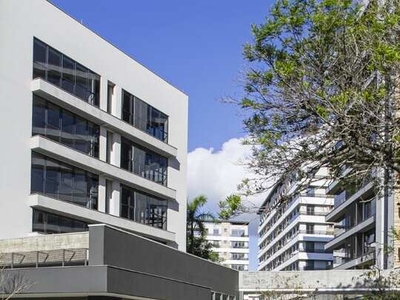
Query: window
(62, 126)
(144, 117)
(143, 208)
(310, 191)
(310, 209)
(238, 232)
(51, 223)
(309, 246)
(143, 162)
(310, 228)
(64, 182)
(62, 71)
(109, 192)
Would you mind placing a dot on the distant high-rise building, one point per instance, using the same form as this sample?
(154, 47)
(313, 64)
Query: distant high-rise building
(365, 218)
(293, 235)
(230, 240)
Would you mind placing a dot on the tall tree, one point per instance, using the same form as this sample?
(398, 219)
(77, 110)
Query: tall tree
(321, 90)
(196, 232)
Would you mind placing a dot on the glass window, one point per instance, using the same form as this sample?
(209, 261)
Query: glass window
(143, 162)
(57, 68)
(68, 77)
(144, 117)
(93, 142)
(64, 127)
(54, 67)
(39, 59)
(81, 142)
(62, 181)
(39, 117)
(68, 129)
(50, 223)
(53, 122)
(37, 176)
(143, 208)
(81, 88)
(127, 203)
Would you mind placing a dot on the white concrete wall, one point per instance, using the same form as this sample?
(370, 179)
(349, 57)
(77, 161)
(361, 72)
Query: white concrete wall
(19, 23)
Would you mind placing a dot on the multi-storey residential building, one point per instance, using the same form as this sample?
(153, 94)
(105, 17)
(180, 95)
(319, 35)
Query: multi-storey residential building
(230, 240)
(293, 234)
(364, 217)
(89, 135)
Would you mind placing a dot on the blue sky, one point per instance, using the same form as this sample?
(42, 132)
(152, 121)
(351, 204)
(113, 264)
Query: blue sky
(197, 47)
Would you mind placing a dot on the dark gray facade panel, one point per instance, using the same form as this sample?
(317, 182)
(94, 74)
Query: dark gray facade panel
(135, 253)
(69, 280)
(125, 282)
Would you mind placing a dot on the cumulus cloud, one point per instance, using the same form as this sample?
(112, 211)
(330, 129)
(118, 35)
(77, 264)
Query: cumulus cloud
(217, 174)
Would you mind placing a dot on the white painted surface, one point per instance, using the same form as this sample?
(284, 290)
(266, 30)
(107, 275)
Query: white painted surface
(19, 24)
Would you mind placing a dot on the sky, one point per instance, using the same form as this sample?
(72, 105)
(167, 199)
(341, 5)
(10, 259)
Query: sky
(197, 47)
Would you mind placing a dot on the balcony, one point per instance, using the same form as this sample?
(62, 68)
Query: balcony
(344, 200)
(59, 207)
(366, 259)
(57, 151)
(360, 227)
(91, 113)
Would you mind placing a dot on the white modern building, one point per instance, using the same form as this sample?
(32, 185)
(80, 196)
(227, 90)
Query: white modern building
(292, 235)
(365, 218)
(89, 135)
(230, 239)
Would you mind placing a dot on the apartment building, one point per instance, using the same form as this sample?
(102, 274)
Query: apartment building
(89, 135)
(230, 239)
(365, 217)
(293, 235)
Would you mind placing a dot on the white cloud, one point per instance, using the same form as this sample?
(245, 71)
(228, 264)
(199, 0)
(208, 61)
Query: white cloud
(216, 174)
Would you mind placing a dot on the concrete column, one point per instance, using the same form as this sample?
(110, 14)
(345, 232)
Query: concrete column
(103, 93)
(101, 202)
(115, 199)
(380, 232)
(103, 144)
(117, 102)
(116, 150)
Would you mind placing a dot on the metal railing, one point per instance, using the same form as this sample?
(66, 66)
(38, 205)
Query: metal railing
(37, 259)
(74, 88)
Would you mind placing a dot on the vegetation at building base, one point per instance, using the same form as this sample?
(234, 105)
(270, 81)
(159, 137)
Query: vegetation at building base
(320, 90)
(195, 231)
(11, 284)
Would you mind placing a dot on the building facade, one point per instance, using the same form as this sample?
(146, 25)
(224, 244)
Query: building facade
(365, 217)
(89, 135)
(230, 239)
(293, 235)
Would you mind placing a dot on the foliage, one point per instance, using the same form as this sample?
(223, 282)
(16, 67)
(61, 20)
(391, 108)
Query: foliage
(11, 284)
(232, 206)
(196, 232)
(320, 90)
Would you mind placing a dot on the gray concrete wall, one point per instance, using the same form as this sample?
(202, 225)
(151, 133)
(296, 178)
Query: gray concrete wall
(113, 247)
(110, 282)
(46, 242)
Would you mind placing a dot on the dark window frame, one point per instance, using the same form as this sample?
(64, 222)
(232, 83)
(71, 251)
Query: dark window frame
(88, 92)
(131, 113)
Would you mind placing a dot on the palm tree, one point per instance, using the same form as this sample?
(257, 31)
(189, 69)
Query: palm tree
(196, 232)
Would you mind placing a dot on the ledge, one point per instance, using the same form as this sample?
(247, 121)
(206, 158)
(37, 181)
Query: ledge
(68, 155)
(68, 101)
(59, 207)
(361, 227)
(338, 211)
